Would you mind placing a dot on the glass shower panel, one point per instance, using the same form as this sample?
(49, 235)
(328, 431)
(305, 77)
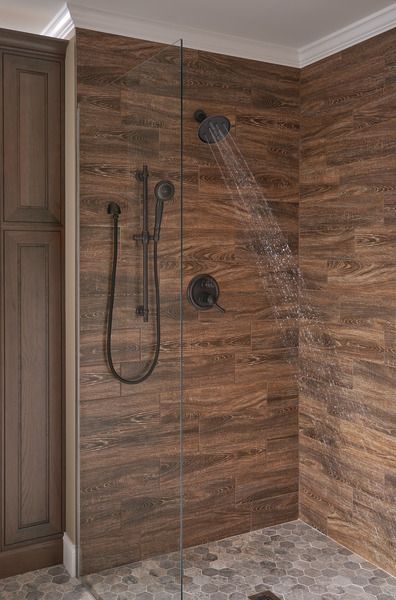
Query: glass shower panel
(130, 526)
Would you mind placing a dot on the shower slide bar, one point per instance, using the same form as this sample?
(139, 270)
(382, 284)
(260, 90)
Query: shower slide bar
(145, 237)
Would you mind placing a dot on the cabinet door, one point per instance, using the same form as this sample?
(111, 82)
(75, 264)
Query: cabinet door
(32, 139)
(32, 385)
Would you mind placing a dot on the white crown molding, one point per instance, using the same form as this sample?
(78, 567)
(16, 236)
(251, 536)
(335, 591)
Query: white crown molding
(61, 26)
(72, 15)
(353, 34)
(69, 556)
(168, 33)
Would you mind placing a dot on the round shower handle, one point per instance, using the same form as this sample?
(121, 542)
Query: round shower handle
(203, 293)
(211, 300)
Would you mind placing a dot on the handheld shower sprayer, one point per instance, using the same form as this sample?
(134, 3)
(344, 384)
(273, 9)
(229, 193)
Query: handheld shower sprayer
(163, 191)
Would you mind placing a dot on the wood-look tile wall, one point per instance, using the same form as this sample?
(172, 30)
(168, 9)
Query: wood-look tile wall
(240, 396)
(348, 255)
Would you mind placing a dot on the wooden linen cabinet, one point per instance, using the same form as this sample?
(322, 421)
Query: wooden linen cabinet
(31, 305)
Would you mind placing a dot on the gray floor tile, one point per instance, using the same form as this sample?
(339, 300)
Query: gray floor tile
(292, 560)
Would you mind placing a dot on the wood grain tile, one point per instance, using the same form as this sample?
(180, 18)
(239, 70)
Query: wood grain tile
(238, 399)
(347, 218)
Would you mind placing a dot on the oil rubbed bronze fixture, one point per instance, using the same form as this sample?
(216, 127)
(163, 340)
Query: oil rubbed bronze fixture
(203, 293)
(212, 129)
(164, 190)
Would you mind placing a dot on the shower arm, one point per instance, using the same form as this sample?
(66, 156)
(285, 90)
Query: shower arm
(143, 310)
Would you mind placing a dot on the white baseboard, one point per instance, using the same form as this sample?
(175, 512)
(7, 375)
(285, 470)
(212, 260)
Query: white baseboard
(69, 556)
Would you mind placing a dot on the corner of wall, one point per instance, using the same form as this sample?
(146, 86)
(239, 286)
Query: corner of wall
(70, 537)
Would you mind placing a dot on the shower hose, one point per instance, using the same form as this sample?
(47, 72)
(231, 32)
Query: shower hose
(152, 365)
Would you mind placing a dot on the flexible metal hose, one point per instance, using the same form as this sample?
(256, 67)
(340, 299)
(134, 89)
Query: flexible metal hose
(110, 311)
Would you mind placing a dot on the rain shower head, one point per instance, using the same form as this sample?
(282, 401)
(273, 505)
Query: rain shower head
(212, 129)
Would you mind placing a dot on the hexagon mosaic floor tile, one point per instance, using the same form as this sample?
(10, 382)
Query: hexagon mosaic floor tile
(44, 584)
(293, 561)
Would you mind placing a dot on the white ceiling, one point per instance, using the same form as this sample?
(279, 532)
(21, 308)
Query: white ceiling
(292, 24)
(288, 22)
